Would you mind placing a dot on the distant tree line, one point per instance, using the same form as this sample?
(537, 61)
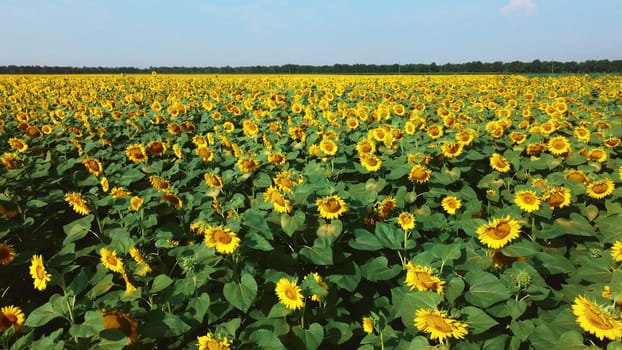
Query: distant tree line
(536, 66)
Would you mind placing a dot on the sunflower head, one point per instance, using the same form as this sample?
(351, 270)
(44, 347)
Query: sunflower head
(331, 207)
(7, 253)
(499, 232)
(596, 320)
(222, 239)
(289, 294)
(439, 325)
(11, 316)
(527, 200)
(122, 322)
(450, 204)
(136, 153)
(38, 273)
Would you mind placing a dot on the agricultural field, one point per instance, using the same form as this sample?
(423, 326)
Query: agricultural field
(310, 212)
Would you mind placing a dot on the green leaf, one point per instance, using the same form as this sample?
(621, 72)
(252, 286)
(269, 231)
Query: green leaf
(255, 241)
(478, 320)
(241, 295)
(377, 269)
(291, 224)
(406, 303)
(454, 289)
(388, 236)
(158, 324)
(256, 221)
(312, 337)
(77, 229)
(337, 332)
(522, 329)
(92, 325)
(35, 203)
(485, 289)
(521, 247)
(101, 287)
(79, 283)
(570, 340)
(365, 240)
(279, 310)
(398, 172)
(121, 240)
(318, 255)
(47, 312)
(160, 282)
(616, 285)
(265, 339)
(200, 305)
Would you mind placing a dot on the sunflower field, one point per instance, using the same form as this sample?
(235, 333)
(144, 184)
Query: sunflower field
(310, 212)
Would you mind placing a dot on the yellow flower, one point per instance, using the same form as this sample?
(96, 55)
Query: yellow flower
(38, 273)
(499, 163)
(439, 325)
(119, 192)
(451, 149)
(156, 148)
(289, 294)
(122, 322)
(596, 320)
(206, 154)
(597, 155)
(365, 146)
(331, 207)
(174, 199)
(18, 144)
(419, 173)
(93, 166)
(423, 278)
(247, 165)
(208, 342)
(600, 189)
(77, 203)
(277, 158)
(370, 162)
(527, 200)
(11, 316)
(328, 147)
(558, 197)
(213, 180)
(406, 221)
(616, 251)
(434, 131)
(559, 145)
(135, 203)
(10, 160)
(222, 239)
(280, 203)
(7, 253)
(451, 204)
(103, 182)
(368, 325)
(159, 183)
(321, 283)
(497, 233)
(110, 260)
(136, 153)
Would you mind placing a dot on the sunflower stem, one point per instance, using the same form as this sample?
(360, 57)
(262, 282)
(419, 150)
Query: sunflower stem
(381, 340)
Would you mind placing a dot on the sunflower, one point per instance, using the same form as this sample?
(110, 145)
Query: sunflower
(277, 158)
(577, 176)
(331, 207)
(582, 133)
(498, 232)
(527, 200)
(419, 173)
(466, 136)
(435, 131)
(38, 273)
(558, 197)
(559, 145)
(110, 260)
(177, 151)
(365, 146)
(173, 198)
(159, 183)
(213, 180)
(140, 260)
(439, 325)
(321, 283)
(370, 162)
(518, 137)
(103, 182)
(328, 147)
(18, 144)
(597, 155)
(451, 149)
(450, 204)
(136, 153)
(534, 149)
(388, 204)
(93, 166)
(611, 142)
(285, 180)
(209, 342)
(206, 154)
(10, 160)
(406, 221)
(11, 316)
(119, 192)
(249, 128)
(423, 278)
(600, 189)
(222, 239)
(156, 106)
(247, 165)
(7, 253)
(596, 320)
(122, 322)
(156, 148)
(499, 163)
(135, 203)
(280, 203)
(616, 251)
(77, 203)
(289, 294)
(368, 325)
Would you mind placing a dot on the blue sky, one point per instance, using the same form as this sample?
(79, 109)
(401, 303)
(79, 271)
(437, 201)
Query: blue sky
(145, 33)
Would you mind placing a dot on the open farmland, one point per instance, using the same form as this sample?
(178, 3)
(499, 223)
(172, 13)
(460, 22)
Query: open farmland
(311, 212)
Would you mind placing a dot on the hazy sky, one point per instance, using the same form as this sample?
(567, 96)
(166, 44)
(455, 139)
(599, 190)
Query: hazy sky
(145, 33)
